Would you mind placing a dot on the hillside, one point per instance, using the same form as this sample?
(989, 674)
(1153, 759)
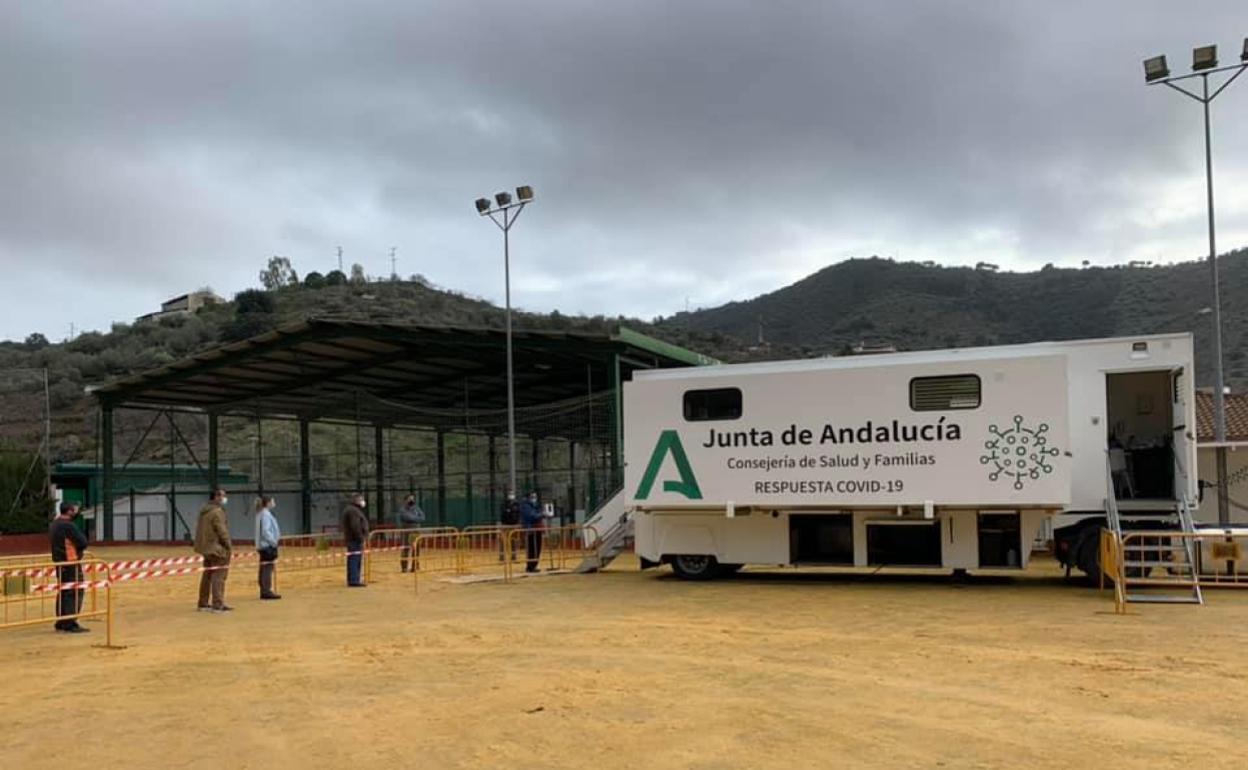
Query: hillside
(909, 305)
(128, 348)
(917, 307)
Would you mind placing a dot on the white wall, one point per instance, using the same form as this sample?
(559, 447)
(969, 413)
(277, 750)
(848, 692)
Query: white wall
(152, 515)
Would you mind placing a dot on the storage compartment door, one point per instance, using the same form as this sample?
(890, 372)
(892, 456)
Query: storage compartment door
(903, 544)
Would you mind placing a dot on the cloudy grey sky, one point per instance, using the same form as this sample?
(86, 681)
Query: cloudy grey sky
(712, 150)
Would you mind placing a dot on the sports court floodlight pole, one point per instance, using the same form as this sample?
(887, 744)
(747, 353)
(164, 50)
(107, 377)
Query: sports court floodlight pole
(510, 212)
(1219, 403)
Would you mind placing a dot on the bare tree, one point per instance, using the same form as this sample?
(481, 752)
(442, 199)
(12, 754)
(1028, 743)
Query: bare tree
(279, 273)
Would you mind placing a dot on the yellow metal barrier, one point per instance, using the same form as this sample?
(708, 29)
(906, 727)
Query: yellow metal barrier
(436, 553)
(33, 558)
(1222, 557)
(396, 545)
(297, 553)
(29, 594)
(1112, 567)
(1189, 561)
(556, 548)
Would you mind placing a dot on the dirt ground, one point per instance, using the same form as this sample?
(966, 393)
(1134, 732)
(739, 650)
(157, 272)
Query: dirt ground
(628, 669)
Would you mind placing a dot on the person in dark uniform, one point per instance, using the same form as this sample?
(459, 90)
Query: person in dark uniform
(68, 545)
(533, 521)
(508, 522)
(354, 525)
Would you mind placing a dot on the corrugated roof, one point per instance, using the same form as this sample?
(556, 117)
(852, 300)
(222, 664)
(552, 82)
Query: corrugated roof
(332, 369)
(1236, 417)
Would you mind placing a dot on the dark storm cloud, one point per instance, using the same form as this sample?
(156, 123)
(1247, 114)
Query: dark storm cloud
(710, 150)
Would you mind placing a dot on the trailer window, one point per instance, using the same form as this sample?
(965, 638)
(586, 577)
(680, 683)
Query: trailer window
(718, 404)
(935, 394)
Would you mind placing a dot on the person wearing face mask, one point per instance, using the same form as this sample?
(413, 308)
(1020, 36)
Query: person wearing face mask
(68, 545)
(410, 516)
(354, 526)
(212, 541)
(508, 522)
(533, 521)
(267, 535)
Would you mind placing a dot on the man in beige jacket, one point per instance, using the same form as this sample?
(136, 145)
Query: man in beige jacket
(212, 541)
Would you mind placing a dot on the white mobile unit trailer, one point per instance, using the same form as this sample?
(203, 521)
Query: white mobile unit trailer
(952, 459)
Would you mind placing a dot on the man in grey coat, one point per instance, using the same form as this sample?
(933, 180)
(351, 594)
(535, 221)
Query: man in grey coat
(410, 516)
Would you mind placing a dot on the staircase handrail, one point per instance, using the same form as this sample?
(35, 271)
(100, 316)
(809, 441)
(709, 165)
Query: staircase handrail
(1111, 499)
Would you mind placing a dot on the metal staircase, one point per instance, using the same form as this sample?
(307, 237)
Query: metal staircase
(1141, 552)
(613, 524)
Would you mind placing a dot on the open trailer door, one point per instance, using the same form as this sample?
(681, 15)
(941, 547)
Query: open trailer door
(1184, 442)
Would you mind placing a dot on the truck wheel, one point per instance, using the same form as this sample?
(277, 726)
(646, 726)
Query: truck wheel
(695, 567)
(1088, 554)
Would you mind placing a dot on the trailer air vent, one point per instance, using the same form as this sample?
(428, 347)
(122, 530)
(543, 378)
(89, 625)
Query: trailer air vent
(936, 394)
(717, 404)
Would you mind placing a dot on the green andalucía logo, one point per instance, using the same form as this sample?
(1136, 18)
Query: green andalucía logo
(1018, 452)
(687, 485)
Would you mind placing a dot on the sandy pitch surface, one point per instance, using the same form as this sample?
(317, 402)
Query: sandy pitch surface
(628, 670)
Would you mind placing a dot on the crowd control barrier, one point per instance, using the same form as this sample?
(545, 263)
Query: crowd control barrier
(396, 546)
(29, 594)
(1160, 561)
(555, 548)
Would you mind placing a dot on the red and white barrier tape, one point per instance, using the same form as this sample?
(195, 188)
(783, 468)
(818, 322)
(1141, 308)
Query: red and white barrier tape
(121, 566)
(149, 574)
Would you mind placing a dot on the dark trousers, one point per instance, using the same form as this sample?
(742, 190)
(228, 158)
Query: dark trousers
(533, 549)
(355, 557)
(267, 567)
(68, 600)
(212, 581)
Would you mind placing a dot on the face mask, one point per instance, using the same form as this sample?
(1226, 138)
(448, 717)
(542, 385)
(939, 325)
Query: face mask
(272, 506)
(225, 501)
(363, 503)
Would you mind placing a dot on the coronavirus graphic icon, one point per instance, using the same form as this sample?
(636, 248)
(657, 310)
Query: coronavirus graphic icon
(1018, 452)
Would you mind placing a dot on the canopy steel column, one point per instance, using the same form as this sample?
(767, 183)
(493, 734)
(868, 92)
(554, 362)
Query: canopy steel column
(379, 470)
(441, 439)
(259, 455)
(214, 453)
(106, 435)
(617, 423)
(572, 479)
(494, 504)
(305, 477)
(535, 466)
(173, 482)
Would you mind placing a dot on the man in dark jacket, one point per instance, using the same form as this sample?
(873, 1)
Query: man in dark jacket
(533, 521)
(354, 527)
(508, 522)
(68, 545)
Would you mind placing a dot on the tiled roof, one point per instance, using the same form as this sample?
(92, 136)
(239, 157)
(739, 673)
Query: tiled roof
(1236, 417)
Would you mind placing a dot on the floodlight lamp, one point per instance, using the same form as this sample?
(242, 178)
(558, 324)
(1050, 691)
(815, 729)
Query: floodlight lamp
(502, 199)
(1205, 57)
(483, 205)
(524, 193)
(1155, 69)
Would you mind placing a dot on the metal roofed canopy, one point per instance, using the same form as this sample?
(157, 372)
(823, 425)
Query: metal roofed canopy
(319, 369)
